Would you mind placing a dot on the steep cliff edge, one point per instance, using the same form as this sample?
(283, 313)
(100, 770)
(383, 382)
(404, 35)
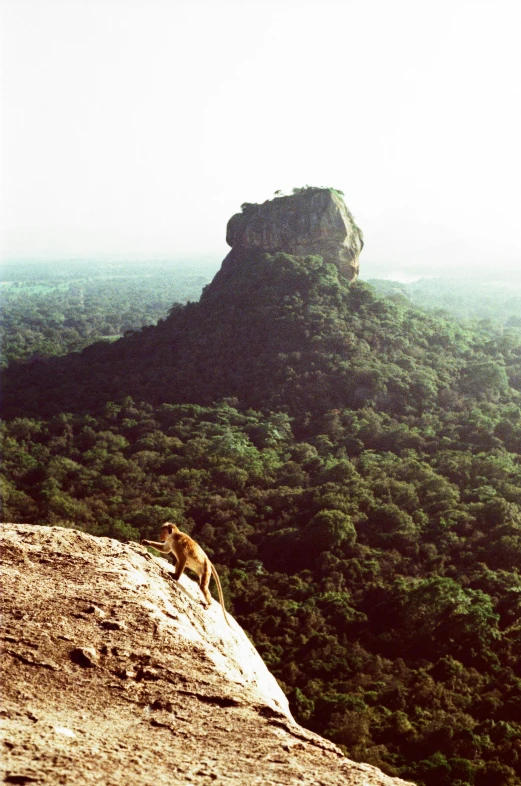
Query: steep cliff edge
(112, 673)
(313, 221)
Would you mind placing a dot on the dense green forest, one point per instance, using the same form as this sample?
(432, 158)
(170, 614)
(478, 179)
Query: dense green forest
(286, 334)
(50, 309)
(352, 465)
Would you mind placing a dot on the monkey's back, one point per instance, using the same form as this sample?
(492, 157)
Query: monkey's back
(196, 559)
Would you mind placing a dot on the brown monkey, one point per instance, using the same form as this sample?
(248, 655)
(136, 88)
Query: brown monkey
(188, 554)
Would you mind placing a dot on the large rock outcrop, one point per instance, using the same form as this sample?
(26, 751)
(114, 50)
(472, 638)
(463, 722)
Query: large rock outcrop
(313, 221)
(232, 343)
(113, 673)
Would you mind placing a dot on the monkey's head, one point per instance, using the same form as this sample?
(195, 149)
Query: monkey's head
(167, 530)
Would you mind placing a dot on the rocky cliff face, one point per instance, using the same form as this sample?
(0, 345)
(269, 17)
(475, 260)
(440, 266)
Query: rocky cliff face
(314, 221)
(113, 673)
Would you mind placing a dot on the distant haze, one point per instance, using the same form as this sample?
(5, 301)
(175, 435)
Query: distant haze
(134, 129)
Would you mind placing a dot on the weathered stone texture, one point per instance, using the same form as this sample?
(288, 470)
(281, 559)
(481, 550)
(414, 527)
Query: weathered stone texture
(112, 673)
(315, 221)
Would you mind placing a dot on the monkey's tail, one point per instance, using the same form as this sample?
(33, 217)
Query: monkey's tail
(219, 590)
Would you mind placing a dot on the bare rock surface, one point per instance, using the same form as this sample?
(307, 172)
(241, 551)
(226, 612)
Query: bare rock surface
(113, 673)
(314, 221)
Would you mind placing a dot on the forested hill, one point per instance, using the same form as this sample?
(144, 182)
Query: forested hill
(287, 333)
(352, 466)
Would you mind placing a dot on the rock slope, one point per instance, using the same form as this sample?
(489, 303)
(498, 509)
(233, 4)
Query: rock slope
(113, 673)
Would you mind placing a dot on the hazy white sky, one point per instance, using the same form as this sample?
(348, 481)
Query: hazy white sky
(138, 127)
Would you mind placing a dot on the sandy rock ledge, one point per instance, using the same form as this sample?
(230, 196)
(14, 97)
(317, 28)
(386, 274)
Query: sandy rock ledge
(114, 674)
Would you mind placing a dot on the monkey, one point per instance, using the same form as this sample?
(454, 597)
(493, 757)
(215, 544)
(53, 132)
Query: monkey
(188, 554)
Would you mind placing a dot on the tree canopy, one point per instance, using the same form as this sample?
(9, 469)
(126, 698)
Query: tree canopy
(351, 464)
